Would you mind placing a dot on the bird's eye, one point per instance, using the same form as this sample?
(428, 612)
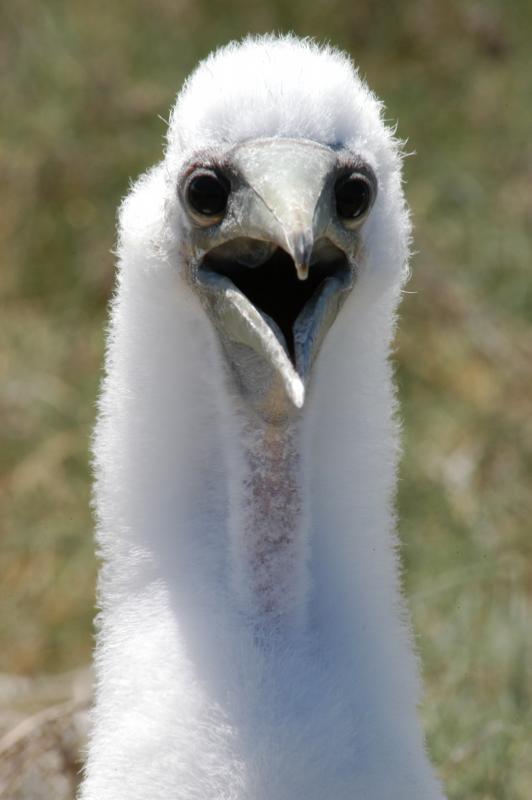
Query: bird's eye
(207, 193)
(353, 196)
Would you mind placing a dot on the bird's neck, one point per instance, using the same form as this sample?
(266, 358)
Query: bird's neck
(268, 531)
(250, 590)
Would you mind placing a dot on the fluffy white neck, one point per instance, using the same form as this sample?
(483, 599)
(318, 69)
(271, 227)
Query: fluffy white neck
(252, 642)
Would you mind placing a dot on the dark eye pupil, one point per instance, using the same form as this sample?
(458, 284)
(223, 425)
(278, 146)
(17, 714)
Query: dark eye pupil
(208, 193)
(353, 196)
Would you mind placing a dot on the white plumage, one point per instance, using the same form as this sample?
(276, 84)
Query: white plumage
(252, 643)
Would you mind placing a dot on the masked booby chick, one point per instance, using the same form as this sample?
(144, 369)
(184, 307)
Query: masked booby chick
(252, 642)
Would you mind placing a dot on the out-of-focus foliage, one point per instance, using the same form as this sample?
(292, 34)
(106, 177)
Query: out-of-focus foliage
(82, 88)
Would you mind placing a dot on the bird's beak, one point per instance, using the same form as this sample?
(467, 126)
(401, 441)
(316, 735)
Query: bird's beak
(276, 276)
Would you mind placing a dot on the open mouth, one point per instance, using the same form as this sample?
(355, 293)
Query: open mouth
(298, 312)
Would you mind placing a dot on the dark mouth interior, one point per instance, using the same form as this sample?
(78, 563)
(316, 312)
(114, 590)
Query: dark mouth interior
(272, 285)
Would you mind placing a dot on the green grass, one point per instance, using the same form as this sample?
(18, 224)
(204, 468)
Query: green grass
(82, 87)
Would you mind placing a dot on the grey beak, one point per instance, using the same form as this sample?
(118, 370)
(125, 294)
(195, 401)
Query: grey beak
(288, 206)
(283, 203)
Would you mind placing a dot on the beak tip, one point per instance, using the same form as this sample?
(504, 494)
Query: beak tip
(302, 271)
(300, 246)
(298, 393)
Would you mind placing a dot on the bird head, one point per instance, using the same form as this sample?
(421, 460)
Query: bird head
(282, 186)
(271, 251)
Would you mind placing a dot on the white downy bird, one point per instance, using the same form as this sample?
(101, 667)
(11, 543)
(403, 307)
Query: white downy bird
(253, 643)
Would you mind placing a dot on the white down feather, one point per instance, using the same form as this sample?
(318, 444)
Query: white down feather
(191, 704)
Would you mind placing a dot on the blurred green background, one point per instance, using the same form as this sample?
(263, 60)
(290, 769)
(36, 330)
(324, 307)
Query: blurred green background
(84, 88)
